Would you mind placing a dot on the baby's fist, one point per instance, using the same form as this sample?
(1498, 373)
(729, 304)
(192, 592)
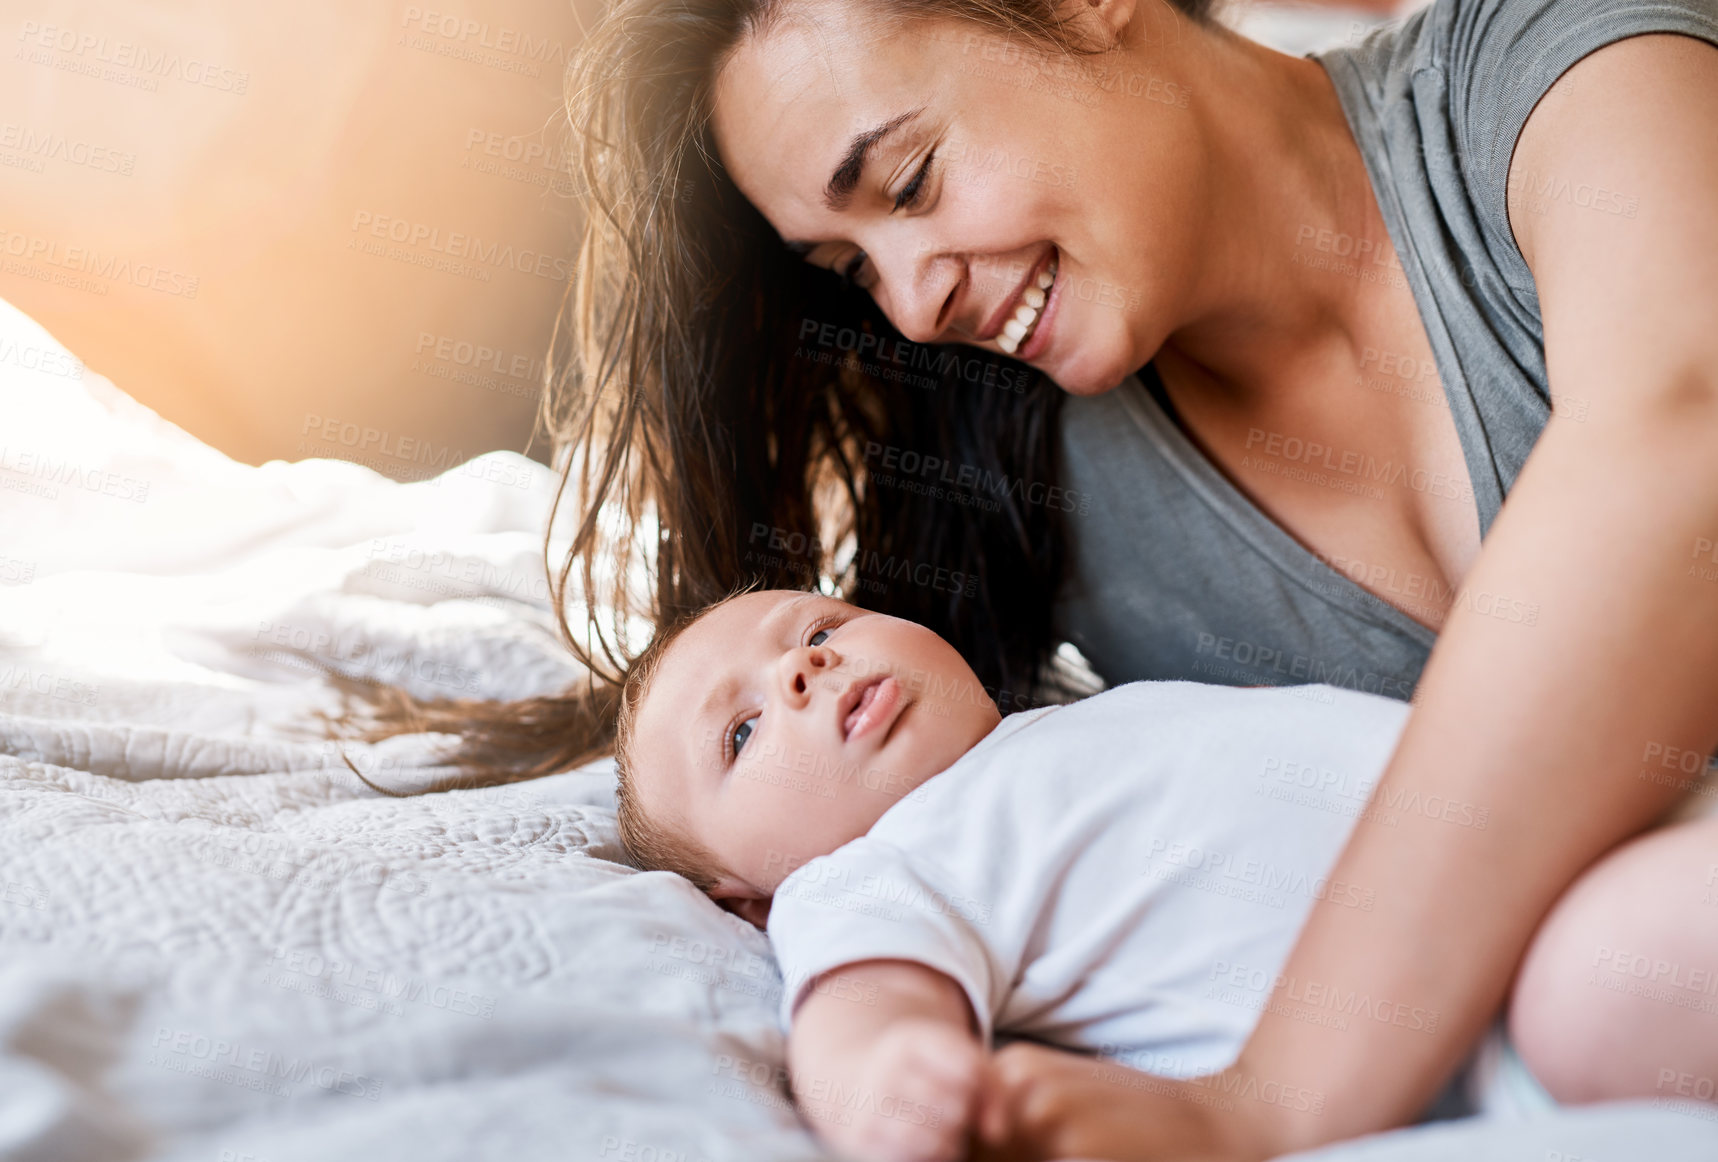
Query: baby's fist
(917, 1093)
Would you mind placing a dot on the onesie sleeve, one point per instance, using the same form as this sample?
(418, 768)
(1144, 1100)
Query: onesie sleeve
(872, 901)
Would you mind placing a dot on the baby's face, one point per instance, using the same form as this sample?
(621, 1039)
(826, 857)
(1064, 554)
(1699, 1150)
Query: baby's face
(785, 724)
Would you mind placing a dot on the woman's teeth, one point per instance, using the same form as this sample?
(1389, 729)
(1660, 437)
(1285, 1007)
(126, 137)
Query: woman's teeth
(1016, 330)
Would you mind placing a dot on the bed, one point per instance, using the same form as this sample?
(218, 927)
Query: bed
(218, 944)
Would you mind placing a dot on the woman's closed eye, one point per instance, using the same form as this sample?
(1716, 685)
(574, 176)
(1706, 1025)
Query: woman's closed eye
(912, 195)
(914, 191)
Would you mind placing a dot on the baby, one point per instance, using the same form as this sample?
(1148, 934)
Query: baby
(1125, 874)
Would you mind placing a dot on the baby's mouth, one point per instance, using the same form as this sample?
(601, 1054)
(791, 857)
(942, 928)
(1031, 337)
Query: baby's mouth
(868, 706)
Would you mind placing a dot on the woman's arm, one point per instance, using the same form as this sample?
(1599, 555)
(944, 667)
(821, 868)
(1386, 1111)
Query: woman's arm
(1542, 726)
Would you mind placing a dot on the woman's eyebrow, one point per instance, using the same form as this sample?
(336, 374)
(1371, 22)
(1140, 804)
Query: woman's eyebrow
(839, 190)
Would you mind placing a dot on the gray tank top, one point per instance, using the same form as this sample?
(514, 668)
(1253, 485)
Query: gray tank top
(1173, 572)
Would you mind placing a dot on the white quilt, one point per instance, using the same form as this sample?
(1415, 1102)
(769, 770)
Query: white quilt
(215, 943)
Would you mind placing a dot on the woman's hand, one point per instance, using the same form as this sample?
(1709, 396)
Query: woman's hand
(1050, 1104)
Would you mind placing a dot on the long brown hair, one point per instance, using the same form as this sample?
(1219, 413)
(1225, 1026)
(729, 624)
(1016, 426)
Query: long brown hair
(717, 422)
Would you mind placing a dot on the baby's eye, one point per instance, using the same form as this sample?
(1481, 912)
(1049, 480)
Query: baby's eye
(741, 733)
(817, 638)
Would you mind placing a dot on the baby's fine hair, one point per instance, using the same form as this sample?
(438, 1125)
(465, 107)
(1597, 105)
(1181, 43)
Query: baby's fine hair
(650, 844)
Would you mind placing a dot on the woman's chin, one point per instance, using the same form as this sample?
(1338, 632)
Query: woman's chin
(1089, 379)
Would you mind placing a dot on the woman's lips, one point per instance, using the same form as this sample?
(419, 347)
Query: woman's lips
(878, 702)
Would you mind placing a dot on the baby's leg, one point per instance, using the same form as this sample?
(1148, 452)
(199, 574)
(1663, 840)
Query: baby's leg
(1618, 995)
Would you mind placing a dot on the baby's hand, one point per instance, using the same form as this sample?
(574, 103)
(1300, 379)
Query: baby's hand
(918, 1091)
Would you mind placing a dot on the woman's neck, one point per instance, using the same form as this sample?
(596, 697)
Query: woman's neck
(1283, 182)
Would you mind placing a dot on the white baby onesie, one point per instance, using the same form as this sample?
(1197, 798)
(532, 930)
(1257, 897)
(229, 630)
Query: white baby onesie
(1125, 874)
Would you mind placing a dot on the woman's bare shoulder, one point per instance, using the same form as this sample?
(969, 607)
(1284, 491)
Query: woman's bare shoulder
(1627, 297)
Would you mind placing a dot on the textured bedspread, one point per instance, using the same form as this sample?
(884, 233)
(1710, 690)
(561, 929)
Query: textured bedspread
(215, 943)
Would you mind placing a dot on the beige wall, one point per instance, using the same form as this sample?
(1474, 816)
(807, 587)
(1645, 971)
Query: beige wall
(294, 228)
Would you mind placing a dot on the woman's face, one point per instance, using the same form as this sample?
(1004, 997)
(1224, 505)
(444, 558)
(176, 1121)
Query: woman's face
(966, 180)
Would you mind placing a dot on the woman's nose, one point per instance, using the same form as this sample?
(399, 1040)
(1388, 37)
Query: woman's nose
(916, 293)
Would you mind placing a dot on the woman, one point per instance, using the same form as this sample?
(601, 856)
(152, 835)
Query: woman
(830, 242)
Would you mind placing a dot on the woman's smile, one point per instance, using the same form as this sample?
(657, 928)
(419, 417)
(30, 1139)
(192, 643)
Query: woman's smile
(1015, 320)
(1036, 342)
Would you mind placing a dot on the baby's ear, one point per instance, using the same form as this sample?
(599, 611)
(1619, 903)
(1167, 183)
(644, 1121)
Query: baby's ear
(748, 908)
